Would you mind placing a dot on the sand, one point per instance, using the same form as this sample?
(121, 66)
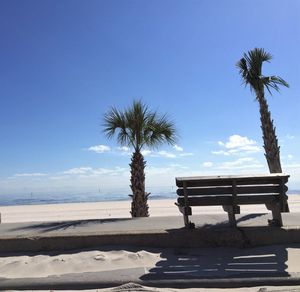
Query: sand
(110, 259)
(119, 209)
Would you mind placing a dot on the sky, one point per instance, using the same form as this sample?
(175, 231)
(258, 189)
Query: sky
(65, 63)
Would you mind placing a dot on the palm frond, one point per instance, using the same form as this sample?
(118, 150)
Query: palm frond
(250, 69)
(243, 69)
(162, 131)
(114, 121)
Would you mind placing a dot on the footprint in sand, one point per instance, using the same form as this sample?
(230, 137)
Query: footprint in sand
(100, 257)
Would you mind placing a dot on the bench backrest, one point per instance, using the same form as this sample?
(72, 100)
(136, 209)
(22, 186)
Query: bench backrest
(269, 184)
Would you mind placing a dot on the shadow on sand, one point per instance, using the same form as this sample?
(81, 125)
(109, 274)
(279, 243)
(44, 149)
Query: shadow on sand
(220, 263)
(225, 223)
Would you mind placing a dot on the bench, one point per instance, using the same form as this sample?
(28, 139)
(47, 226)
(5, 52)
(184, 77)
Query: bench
(232, 191)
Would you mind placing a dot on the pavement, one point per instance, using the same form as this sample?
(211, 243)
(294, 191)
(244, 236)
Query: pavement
(253, 254)
(211, 230)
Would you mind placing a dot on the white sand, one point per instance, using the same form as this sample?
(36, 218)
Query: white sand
(99, 260)
(119, 209)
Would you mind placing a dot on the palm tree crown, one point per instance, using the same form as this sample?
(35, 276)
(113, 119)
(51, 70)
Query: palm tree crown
(250, 68)
(139, 127)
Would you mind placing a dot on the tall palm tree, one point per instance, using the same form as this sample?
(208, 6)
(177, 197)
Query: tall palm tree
(137, 127)
(250, 68)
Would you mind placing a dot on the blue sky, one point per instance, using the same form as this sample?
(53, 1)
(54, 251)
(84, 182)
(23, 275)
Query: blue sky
(63, 64)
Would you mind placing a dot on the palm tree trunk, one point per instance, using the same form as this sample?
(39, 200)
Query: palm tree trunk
(139, 205)
(272, 150)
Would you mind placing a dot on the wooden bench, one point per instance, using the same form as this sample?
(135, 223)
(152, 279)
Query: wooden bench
(230, 192)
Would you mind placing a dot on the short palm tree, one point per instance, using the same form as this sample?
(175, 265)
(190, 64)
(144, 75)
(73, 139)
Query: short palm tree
(137, 127)
(250, 68)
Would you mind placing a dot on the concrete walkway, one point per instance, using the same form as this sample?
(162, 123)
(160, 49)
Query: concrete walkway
(211, 230)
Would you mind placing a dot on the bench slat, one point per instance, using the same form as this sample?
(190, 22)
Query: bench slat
(227, 180)
(269, 189)
(227, 200)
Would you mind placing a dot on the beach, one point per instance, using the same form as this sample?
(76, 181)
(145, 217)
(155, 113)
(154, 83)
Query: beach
(114, 209)
(124, 258)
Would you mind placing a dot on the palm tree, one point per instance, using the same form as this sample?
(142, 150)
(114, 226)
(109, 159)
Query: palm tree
(250, 68)
(137, 127)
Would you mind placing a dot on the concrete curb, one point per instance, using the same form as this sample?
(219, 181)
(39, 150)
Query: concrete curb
(225, 237)
(116, 278)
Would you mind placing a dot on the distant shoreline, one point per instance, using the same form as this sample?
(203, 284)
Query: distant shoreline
(44, 199)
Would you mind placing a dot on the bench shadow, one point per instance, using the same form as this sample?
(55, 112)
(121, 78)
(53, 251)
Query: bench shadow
(189, 264)
(225, 223)
(63, 225)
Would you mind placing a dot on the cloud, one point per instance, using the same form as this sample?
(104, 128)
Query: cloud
(221, 152)
(290, 137)
(124, 148)
(237, 144)
(78, 170)
(241, 163)
(34, 174)
(236, 141)
(293, 166)
(207, 164)
(166, 154)
(178, 148)
(290, 157)
(91, 172)
(146, 152)
(186, 154)
(99, 148)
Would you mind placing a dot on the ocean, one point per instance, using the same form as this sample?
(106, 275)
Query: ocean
(59, 198)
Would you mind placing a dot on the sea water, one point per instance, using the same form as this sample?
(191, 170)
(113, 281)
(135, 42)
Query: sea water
(58, 198)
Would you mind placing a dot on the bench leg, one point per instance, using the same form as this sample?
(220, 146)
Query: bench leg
(186, 211)
(276, 214)
(231, 214)
(285, 207)
(186, 220)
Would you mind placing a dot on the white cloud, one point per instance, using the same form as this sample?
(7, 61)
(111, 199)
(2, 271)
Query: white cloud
(221, 152)
(178, 166)
(186, 154)
(237, 144)
(99, 148)
(290, 137)
(146, 152)
(241, 163)
(292, 166)
(290, 157)
(178, 148)
(124, 148)
(34, 174)
(166, 154)
(236, 141)
(78, 170)
(207, 164)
